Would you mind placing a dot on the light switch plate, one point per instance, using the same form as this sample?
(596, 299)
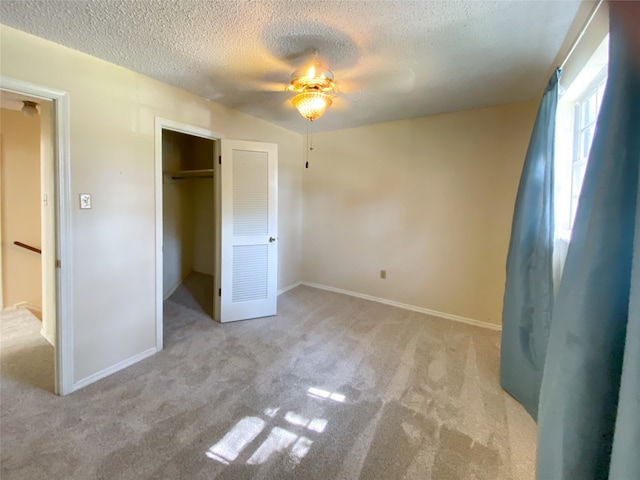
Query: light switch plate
(85, 200)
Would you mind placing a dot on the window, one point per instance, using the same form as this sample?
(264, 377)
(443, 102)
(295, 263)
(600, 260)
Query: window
(578, 110)
(585, 115)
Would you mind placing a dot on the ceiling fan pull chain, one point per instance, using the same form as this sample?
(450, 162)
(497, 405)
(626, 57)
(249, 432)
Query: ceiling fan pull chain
(307, 146)
(309, 141)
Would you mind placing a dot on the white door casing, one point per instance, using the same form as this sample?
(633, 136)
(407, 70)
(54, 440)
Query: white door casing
(249, 230)
(47, 220)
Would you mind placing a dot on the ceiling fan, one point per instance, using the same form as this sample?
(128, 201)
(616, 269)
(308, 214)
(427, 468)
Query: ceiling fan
(314, 83)
(316, 86)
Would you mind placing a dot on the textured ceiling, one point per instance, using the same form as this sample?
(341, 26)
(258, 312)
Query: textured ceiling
(393, 59)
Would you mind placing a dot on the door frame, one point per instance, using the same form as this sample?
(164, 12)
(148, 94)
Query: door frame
(63, 357)
(166, 124)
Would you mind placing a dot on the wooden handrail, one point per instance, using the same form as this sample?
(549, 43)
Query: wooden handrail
(28, 247)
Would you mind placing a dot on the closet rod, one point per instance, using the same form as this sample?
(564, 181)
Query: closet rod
(205, 173)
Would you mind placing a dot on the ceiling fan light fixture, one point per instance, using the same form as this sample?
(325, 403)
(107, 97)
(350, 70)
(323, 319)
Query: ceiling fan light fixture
(312, 103)
(313, 82)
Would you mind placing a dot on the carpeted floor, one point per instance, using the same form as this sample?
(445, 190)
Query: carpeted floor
(333, 387)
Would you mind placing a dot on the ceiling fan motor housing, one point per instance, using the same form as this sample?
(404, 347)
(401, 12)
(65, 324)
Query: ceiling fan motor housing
(313, 76)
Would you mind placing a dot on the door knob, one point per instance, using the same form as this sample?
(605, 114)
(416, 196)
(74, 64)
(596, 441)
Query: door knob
(272, 239)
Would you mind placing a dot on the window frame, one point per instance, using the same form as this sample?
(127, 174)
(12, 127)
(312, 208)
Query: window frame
(595, 89)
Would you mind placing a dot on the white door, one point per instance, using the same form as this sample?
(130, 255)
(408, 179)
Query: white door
(249, 230)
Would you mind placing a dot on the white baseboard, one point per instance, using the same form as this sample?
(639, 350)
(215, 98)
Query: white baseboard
(27, 305)
(172, 289)
(289, 287)
(24, 306)
(413, 308)
(113, 369)
(46, 336)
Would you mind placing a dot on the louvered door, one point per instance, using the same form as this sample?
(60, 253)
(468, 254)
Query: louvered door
(249, 247)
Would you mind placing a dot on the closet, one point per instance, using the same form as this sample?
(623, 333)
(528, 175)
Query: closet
(188, 220)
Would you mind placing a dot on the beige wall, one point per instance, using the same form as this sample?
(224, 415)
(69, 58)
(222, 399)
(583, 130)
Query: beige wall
(204, 226)
(202, 153)
(21, 269)
(429, 200)
(112, 157)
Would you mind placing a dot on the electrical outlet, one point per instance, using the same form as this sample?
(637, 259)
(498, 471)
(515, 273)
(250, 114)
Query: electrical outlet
(383, 274)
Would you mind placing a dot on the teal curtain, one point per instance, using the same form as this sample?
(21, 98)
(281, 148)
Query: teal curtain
(528, 298)
(589, 412)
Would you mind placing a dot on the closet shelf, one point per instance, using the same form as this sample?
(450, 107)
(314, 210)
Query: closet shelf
(204, 173)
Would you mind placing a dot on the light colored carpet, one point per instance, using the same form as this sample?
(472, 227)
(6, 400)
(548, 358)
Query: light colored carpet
(25, 356)
(196, 293)
(333, 387)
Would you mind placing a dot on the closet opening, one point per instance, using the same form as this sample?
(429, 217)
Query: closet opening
(188, 222)
(216, 228)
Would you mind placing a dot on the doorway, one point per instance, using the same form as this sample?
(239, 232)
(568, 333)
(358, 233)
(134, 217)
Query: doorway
(27, 230)
(245, 222)
(186, 219)
(53, 240)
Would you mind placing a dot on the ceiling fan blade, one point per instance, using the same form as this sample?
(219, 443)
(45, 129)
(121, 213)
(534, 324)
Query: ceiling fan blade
(297, 59)
(340, 104)
(401, 80)
(265, 86)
